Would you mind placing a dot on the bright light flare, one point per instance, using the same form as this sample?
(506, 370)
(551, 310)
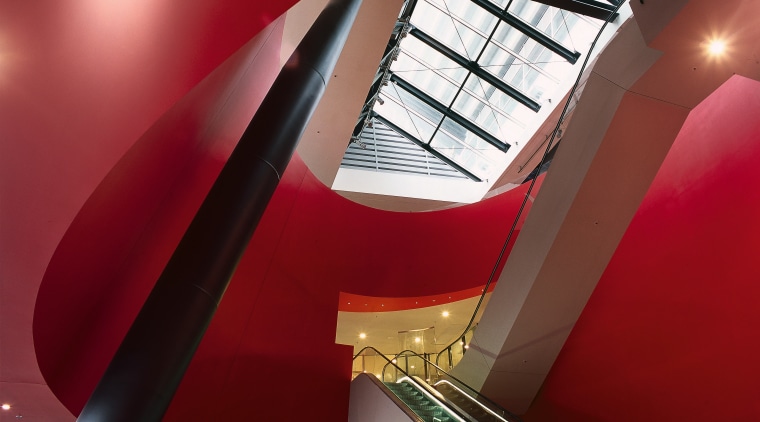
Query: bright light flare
(362, 336)
(716, 47)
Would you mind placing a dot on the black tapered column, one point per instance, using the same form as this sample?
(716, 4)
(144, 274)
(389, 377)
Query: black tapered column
(148, 366)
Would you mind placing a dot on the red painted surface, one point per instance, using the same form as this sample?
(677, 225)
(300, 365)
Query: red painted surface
(275, 329)
(122, 237)
(80, 82)
(670, 333)
(349, 302)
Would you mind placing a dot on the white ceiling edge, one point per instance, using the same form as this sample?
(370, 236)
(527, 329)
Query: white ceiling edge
(463, 191)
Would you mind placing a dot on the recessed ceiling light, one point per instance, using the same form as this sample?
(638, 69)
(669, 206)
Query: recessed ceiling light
(716, 47)
(445, 314)
(417, 340)
(6, 406)
(362, 335)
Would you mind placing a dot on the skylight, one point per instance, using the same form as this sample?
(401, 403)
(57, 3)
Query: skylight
(463, 86)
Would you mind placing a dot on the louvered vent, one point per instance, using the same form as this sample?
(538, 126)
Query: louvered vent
(384, 150)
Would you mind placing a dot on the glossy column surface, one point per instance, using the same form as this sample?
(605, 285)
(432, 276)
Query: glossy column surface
(140, 381)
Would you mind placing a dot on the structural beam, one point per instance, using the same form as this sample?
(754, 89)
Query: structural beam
(141, 380)
(590, 8)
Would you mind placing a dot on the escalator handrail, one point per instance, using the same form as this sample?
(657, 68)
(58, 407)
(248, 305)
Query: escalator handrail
(458, 339)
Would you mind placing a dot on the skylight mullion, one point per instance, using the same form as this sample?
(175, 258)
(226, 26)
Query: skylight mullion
(427, 147)
(592, 8)
(476, 69)
(530, 31)
(447, 112)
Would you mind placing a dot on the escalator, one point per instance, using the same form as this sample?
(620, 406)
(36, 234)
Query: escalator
(382, 387)
(421, 403)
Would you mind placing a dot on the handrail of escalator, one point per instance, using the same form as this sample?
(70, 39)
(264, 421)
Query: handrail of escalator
(541, 163)
(492, 406)
(460, 340)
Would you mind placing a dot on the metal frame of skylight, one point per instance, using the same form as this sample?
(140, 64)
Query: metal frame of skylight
(454, 82)
(403, 27)
(474, 68)
(443, 130)
(448, 112)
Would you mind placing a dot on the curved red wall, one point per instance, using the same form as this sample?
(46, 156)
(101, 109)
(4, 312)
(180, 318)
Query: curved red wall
(275, 329)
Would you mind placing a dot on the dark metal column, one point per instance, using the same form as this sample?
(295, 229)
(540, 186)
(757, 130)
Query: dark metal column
(140, 381)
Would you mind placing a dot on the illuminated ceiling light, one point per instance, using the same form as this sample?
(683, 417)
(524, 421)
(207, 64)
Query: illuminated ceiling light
(412, 366)
(417, 340)
(6, 406)
(466, 346)
(393, 361)
(716, 47)
(362, 335)
(445, 314)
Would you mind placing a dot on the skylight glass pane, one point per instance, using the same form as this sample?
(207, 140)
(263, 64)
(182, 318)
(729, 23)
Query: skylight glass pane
(432, 59)
(408, 113)
(489, 108)
(460, 36)
(429, 70)
(510, 47)
(467, 13)
(560, 25)
(465, 148)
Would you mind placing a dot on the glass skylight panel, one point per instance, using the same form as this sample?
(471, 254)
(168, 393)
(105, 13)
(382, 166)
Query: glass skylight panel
(488, 107)
(429, 70)
(420, 123)
(465, 148)
(457, 35)
(468, 84)
(562, 26)
(467, 13)
(425, 56)
(528, 78)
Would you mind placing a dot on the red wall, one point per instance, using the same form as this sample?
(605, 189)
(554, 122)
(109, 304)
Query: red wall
(275, 329)
(671, 331)
(80, 82)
